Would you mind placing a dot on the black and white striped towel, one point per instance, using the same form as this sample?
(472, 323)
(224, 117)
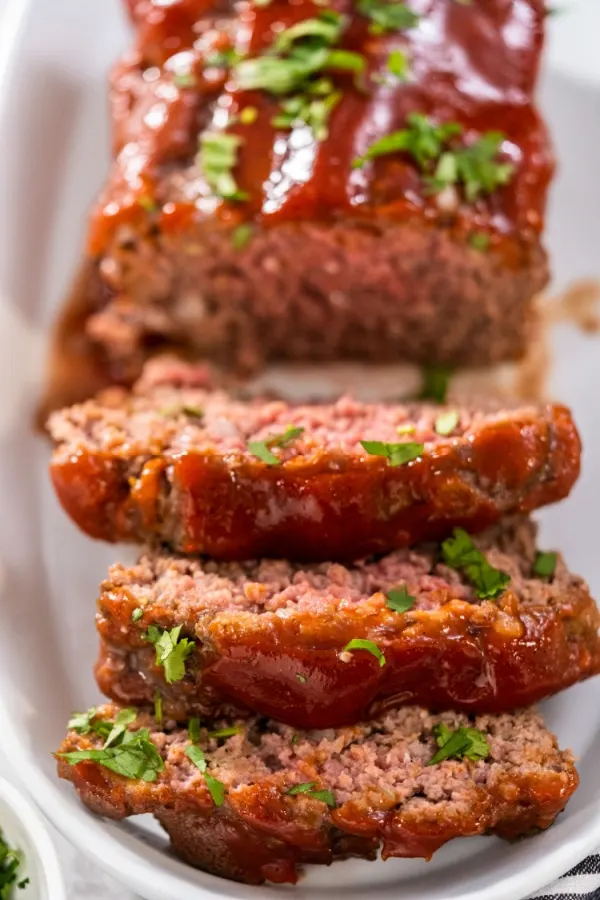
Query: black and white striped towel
(581, 883)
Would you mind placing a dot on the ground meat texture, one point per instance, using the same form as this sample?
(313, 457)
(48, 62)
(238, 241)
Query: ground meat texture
(340, 262)
(385, 792)
(172, 464)
(270, 635)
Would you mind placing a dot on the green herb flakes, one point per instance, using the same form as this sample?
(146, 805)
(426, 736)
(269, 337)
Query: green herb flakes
(301, 678)
(387, 16)
(396, 454)
(225, 732)
(476, 167)
(116, 734)
(216, 159)
(134, 756)
(171, 651)
(82, 723)
(196, 754)
(464, 743)
(185, 80)
(436, 381)
(407, 428)
(308, 789)
(194, 729)
(262, 449)
(399, 599)
(479, 240)
(241, 236)
(460, 553)
(369, 646)
(397, 65)
(147, 203)
(544, 564)
(10, 863)
(158, 708)
(137, 614)
(446, 422)
(422, 139)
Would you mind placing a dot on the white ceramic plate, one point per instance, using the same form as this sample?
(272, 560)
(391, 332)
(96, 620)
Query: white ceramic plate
(53, 59)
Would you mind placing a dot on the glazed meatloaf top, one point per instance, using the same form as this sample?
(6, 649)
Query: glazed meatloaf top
(205, 472)
(385, 782)
(298, 138)
(485, 624)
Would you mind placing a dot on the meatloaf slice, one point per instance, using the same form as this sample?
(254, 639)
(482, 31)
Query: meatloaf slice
(320, 245)
(206, 473)
(270, 636)
(259, 803)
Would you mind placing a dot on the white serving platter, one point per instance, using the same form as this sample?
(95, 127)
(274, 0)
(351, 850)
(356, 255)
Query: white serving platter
(53, 154)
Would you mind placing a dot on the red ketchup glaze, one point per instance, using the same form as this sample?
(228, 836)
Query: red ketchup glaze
(475, 64)
(325, 506)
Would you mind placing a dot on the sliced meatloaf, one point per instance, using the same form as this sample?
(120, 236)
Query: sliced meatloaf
(256, 805)
(277, 637)
(206, 473)
(252, 214)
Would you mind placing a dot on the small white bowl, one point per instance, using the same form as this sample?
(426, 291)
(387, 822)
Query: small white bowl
(24, 828)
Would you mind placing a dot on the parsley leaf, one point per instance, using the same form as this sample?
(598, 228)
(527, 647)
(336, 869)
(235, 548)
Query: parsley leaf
(136, 757)
(369, 646)
(10, 862)
(544, 564)
(400, 600)
(307, 788)
(476, 167)
(124, 718)
(422, 139)
(386, 16)
(137, 614)
(184, 80)
(397, 65)
(216, 788)
(241, 236)
(194, 729)
(460, 553)
(261, 449)
(171, 651)
(82, 722)
(396, 454)
(479, 240)
(225, 732)
(436, 381)
(446, 422)
(464, 743)
(216, 159)
(158, 708)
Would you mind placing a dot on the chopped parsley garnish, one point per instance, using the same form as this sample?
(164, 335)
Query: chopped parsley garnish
(436, 381)
(216, 788)
(308, 789)
(158, 708)
(397, 65)
(82, 722)
(262, 449)
(306, 110)
(479, 240)
(544, 564)
(476, 167)
(241, 236)
(10, 863)
(222, 59)
(396, 454)
(460, 553)
(171, 650)
(225, 732)
(134, 756)
(399, 599)
(194, 729)
(147, 203)
(326, 28)
(446, 422)
(369, 646)
(422, 139)
(186, 409)
(464, 743)
(408, 428)
(118, 731)
(184, 80)
(386, 16)
(137, 614)
(216, 159)
(301, 678)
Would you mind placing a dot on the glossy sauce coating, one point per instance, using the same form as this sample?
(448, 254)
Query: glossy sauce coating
(472, 63)
(492, 657)
(326, 506)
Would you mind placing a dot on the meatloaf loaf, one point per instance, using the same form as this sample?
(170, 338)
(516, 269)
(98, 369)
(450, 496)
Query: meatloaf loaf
(323, 645)
(206, 473)
(309, 182)
(261, 800)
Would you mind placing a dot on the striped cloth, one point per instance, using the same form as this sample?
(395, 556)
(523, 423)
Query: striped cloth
(581, 883)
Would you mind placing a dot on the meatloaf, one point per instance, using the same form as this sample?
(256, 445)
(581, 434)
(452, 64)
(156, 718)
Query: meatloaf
(307, 183)
(206, 473)
(274, 636)
(255, 800)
